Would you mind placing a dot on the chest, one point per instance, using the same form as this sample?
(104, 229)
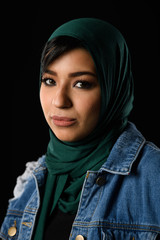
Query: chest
(111, 207)
(115, 207)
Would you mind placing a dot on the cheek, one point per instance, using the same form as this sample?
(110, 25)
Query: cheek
(45, 101)
(89, 108)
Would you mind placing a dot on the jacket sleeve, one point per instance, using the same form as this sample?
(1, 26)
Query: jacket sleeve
(24, 189)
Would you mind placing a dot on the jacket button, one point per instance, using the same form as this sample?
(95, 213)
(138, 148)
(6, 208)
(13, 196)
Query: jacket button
(79, 237)
(101, 181)
(12, 231)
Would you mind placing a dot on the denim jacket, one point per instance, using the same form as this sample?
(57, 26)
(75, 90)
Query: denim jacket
(120, 201)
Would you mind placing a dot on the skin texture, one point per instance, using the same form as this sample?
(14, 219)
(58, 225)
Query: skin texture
(70, 95)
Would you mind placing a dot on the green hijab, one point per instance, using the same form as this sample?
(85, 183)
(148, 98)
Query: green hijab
(68, 163)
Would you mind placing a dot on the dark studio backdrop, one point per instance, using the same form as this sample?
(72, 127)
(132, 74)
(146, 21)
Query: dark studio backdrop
(138, 22)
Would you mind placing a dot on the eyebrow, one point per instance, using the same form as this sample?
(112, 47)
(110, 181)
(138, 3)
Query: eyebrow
(74, 74)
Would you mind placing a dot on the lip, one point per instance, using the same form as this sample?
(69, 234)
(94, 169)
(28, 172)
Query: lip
(63, 121)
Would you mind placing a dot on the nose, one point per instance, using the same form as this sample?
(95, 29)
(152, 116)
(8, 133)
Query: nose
(62, 99)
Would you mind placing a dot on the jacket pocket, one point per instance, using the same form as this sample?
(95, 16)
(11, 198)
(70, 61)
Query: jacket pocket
(10, 228)
(128, 235)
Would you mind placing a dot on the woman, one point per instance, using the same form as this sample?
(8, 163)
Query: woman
(99, 178)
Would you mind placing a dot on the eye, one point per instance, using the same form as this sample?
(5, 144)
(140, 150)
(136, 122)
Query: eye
(48, 81)
(83, 84)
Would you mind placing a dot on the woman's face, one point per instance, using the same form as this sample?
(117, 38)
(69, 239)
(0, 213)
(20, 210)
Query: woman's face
(70, 95)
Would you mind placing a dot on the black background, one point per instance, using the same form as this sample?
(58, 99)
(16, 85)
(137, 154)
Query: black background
(29, 30)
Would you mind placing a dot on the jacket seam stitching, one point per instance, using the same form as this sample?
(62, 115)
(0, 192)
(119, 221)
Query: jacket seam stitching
(136, 155)
(152, 145)
(121, 226)
(120, 172)
(10, 210)
(96, 205)
(125, 224)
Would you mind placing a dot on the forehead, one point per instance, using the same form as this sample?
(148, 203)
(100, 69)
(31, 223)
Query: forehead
(75, 60)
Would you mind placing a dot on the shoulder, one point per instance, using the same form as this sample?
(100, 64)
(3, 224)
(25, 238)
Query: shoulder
(151, 152)
(151, 158)
(145, 150)
(23, 179)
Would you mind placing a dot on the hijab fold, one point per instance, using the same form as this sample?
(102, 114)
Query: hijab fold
(68, 162)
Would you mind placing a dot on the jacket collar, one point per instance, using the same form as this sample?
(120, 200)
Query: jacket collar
(125, 151)
(122, 156)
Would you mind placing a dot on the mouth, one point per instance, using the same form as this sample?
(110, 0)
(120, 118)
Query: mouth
(63, 121)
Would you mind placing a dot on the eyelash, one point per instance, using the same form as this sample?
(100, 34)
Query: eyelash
(52, 82)
(85, 84)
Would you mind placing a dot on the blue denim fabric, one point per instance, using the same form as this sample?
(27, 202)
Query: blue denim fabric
(120, 201)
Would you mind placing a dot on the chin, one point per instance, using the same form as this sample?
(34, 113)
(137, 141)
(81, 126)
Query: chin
(68, 137)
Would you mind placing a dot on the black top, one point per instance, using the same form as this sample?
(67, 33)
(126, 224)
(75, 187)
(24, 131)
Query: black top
(59, 226)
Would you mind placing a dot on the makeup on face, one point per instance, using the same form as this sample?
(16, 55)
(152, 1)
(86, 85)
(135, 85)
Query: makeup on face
(71, 96)
(63, 121)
